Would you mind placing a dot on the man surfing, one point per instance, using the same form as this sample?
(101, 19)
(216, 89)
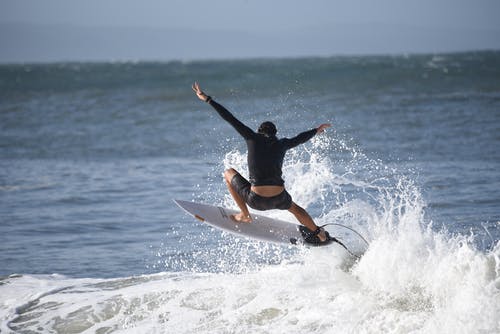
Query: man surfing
(265, 190)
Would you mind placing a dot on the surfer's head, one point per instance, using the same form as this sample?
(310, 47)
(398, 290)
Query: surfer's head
(267, 129)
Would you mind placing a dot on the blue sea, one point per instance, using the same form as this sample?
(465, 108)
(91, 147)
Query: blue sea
(92, 156)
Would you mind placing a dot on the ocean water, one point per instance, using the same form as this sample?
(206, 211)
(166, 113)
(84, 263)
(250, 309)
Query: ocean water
(92, 155)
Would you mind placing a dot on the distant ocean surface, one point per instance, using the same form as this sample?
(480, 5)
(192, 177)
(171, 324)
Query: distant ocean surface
(93, 154)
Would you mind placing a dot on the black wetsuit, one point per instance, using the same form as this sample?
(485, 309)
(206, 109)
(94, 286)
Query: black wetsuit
(265, 154)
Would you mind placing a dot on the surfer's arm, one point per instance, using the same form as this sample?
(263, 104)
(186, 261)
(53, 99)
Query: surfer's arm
(306, 135)
(300, 138)
(242, 129)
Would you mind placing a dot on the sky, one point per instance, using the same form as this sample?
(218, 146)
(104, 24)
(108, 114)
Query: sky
(104, 30)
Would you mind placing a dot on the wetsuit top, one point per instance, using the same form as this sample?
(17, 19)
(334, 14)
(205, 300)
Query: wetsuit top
(265, 154)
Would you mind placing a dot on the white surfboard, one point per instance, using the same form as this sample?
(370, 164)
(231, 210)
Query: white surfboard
(263, 228)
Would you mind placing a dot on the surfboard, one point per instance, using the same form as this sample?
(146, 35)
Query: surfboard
(261, 228)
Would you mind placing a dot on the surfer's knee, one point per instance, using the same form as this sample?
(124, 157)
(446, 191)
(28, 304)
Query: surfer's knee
(229, 174)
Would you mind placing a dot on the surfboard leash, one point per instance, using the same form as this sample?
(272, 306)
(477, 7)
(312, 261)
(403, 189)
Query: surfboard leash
(340, 243)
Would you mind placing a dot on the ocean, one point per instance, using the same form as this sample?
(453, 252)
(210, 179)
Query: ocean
(92, 156)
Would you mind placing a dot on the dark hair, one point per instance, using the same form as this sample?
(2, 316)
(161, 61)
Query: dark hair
(268, 129)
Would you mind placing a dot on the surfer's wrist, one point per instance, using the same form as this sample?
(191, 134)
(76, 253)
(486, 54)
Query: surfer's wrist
(208, 99)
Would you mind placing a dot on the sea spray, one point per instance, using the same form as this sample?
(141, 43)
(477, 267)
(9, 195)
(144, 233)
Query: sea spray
(410, 265)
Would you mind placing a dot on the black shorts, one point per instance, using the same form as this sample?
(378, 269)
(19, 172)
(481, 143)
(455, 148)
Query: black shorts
(282, 201)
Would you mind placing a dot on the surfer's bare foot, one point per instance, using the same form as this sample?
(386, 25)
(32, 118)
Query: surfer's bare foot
(322, 235)
(241, 218)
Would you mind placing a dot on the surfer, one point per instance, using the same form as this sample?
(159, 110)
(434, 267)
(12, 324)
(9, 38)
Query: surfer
(265, 190)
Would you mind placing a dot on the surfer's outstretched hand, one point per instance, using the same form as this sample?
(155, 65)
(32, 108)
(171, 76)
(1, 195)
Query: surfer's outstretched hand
(322, 127)
(202, 96)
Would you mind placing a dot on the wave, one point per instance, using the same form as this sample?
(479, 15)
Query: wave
(413, 277)
(397, 287)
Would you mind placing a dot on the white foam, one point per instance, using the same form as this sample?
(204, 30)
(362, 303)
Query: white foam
(452, 289)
